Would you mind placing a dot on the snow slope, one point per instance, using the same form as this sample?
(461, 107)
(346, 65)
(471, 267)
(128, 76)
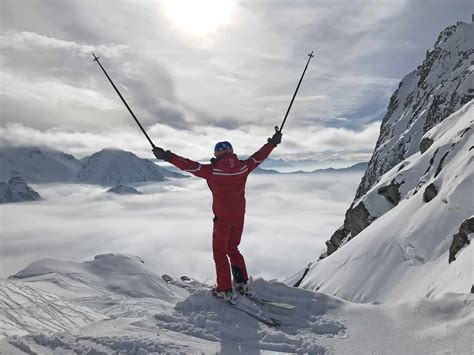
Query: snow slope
(117, 274)
(16, 190)
(25, 309)
(113, 167)
(74, 313)
(37, 165)
(403, 254)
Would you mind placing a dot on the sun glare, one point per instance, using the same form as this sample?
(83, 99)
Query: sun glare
(199, 17)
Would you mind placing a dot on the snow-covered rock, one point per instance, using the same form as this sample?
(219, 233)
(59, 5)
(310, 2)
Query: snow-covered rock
(405, 223)
(111, 167)
(16, 190)
(37, 165)
(124, 190)
(406, 251)
(425, 97)
(441, 85)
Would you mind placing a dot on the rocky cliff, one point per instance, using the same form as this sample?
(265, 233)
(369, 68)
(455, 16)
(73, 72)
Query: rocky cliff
(440, 86)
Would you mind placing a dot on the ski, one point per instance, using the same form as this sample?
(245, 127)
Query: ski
(255, 298)
(272, 322)
(190, 284)
(271, 302)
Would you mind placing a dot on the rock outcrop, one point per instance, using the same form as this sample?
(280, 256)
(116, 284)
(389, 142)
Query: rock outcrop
(16, 190)
(441, 85)
(461, 239)
(430, 192)
(424, 98)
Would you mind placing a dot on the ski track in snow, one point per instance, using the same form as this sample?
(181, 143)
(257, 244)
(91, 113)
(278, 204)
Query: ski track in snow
(81, 320)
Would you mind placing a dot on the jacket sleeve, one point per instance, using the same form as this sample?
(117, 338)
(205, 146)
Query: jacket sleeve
(200, 170)
(259, 156)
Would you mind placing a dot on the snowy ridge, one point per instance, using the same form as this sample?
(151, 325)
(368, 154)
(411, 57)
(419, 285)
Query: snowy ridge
(425, 97)
(108, 273)
(439, 87)
(113, 167)
(16, 190)
(37, 165)
(403, 253)
(107, 167)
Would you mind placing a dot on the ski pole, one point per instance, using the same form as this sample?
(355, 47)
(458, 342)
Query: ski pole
(310, 55)
(96, 59)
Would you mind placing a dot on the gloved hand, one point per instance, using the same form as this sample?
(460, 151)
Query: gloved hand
(161, 154)
(276, 138)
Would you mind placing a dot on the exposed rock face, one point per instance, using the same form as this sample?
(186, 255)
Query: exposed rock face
(430, 192)
(460, 239)
(441, 85)
(425, 97)
(391, 193)
(336, 240)
(357, 219)
(425, 144)
(16, 190)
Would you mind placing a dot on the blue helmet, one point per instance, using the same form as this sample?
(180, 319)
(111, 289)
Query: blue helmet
(222, 148)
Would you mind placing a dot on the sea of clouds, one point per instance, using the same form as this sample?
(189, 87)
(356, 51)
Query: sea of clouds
(288, 219)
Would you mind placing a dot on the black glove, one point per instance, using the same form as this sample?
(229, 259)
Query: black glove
(161, 154)
(276, 138)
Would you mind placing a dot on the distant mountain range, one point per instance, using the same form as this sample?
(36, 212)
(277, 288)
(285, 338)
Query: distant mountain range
(359, 167)
(107, 167)
(306, 165)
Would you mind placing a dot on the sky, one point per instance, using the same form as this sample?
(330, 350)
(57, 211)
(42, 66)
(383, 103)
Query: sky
(170, 225)
(199, 72)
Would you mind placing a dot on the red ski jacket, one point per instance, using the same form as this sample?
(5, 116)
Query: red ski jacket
(226, 177)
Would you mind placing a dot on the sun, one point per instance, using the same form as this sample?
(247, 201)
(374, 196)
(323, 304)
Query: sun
(199, 17)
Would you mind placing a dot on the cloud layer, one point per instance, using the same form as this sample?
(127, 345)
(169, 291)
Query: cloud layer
(170, 226)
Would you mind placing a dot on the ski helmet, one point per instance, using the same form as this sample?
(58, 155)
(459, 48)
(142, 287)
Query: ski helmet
(223, 148)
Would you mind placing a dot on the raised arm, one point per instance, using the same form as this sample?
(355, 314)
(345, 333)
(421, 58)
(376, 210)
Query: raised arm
(200, 170)
(259, 156)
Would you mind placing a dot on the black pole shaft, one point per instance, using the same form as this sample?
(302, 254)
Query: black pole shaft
(96, 59)
(296, 91)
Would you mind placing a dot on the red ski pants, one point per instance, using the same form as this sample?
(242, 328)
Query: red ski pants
(225, 241)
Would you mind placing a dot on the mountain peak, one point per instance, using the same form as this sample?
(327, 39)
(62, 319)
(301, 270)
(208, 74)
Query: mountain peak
(111, 167)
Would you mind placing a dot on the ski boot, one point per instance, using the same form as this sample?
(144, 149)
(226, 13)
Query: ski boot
(226, 295)
(243, 288)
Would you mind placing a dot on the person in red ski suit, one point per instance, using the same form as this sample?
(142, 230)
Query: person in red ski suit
(226, 177)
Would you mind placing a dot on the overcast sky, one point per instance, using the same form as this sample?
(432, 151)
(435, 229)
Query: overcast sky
(196, 72)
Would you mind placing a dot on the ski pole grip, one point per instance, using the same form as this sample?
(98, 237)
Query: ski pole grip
(276, 129)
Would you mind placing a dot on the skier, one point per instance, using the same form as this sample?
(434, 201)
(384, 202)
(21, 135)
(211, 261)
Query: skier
(226, 177)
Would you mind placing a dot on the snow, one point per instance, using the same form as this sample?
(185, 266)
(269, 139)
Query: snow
(76, 315)
(16, 190)
(25, 309)
(426, 96)
(107, 167)
(113, 167)
(403, 254)
(36, 165)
